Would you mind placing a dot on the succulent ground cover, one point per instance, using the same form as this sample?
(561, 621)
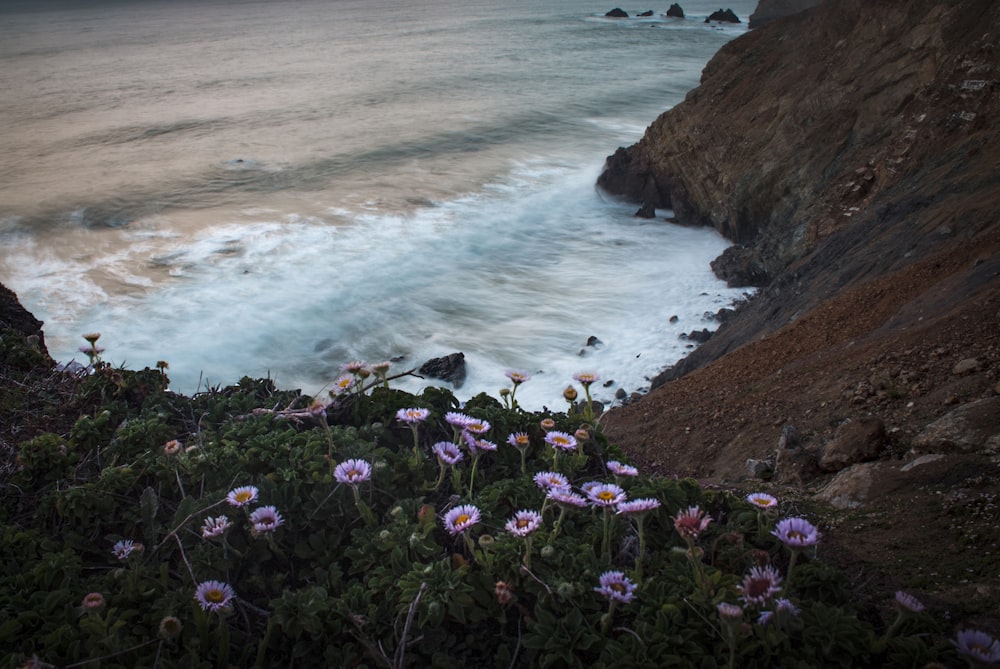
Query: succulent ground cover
(367, 527)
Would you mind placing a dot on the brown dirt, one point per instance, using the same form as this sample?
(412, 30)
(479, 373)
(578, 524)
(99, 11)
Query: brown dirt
(886, 348)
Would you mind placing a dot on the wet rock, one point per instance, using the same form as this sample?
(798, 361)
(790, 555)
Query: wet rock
(675, 11)
(697, 336)
(853, 442)
(674, 319)
(15, 317)
(648, 12)
(646, 211)
(617, 13)
(970, 428)
(450, 368)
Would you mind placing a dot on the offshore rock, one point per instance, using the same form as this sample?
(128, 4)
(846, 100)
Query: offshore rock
(617, 13)
(771, 10)
(648, 12)
(450, 368)
(675, 11)
(728, 16)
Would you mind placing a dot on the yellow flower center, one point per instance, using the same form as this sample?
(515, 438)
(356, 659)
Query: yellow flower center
(351, 473)
(522, 522)
(798, 536)
(215, 596)
(618, 587)
(560, 440)
(464, 518)
(605, 495)
(243, 496)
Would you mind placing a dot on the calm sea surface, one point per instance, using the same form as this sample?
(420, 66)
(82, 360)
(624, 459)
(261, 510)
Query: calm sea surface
(284, 186)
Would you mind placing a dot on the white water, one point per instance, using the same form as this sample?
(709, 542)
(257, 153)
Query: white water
(282, 187)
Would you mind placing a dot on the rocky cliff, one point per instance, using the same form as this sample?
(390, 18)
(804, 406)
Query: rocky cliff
(852, 154)
(832, 146)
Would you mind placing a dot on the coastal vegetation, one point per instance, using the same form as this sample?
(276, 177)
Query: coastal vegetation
(251, 526)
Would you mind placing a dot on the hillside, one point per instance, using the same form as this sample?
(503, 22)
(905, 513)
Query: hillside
(851, 153)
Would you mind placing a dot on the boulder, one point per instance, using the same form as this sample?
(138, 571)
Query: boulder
(617, 13)
(727, 16)
(646, 211)
(850, 488)
(853, 442)
(770, 10)
(646, 13)
(675, 11)
(970, 428)
(697, 336)
(450, 368)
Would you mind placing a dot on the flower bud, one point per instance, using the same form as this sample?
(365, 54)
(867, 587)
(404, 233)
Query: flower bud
(569, 394)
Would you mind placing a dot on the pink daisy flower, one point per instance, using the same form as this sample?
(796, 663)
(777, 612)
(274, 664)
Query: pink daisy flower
(566, 497)
(586, 378)
(908, 602)
(729, 611)
(517, 377)
(978, 645)
(691, 522)
(519, 440)
(760, 584)
(124, 548)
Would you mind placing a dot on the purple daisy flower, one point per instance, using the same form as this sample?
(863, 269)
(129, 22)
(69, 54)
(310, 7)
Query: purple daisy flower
(616, 586)
(447, 452)
(762, 500)
(123, 549)
(458, 420)
(551, 480)
(796, 532)
(215, 527)
(618, 469)
(214, 595)
(586, 378)
(978, 645)
(606, 494)
(729, 611)
(908, 602)
(566, 497)
(561, 440)
(638, 506)
(413, 416)
(266, 519)
(461, 518)
(517, 377)
(353, 471)
(519, 440)
(242, 496)
(524, 523)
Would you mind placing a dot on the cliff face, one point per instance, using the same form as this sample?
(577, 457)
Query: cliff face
(832, 147)
(802, 126)
(852, 153)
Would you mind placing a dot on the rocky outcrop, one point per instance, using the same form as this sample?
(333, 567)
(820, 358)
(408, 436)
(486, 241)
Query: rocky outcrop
(450, 368)
(835, 146)
(675, 11)
(727, 16)
(617, 13)
(771, 10)
(14, 317)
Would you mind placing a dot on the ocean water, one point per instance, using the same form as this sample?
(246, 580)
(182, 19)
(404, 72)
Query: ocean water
(280, 187)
